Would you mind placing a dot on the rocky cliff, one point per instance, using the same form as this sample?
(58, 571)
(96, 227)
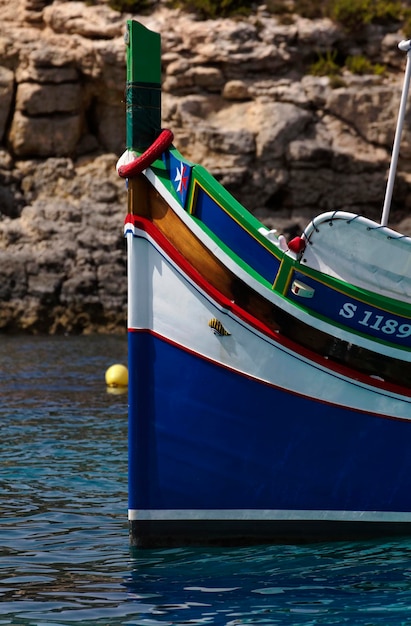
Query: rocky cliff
(239, 97)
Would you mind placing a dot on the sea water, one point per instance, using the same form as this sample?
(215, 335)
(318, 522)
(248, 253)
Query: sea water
(64, 552)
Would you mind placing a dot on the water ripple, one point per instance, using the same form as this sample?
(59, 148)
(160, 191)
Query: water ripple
(65, 556)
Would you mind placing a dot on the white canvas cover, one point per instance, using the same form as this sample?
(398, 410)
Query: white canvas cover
(361, 252)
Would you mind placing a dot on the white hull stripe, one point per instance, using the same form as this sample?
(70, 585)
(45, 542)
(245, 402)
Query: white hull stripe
(268, 515)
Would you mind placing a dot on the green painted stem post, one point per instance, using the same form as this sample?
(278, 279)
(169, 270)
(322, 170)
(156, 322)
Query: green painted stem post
(143, 87)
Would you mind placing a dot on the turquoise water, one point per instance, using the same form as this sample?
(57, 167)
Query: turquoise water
(64, 552)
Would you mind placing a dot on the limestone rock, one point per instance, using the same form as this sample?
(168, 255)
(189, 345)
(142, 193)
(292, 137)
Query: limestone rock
(236, 90)
(81, 19)
(276, 125)
(371, 112)
(6, 95)
(240, 99)
(35, 99)
(44, 136)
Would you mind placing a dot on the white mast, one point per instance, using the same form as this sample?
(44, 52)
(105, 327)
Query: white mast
(405, 46)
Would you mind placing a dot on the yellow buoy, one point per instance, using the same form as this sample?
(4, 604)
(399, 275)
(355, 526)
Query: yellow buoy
(117, 376)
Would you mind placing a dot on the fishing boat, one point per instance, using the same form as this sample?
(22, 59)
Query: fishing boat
(269, 380)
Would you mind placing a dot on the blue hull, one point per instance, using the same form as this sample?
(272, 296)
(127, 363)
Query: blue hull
(231, 443)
